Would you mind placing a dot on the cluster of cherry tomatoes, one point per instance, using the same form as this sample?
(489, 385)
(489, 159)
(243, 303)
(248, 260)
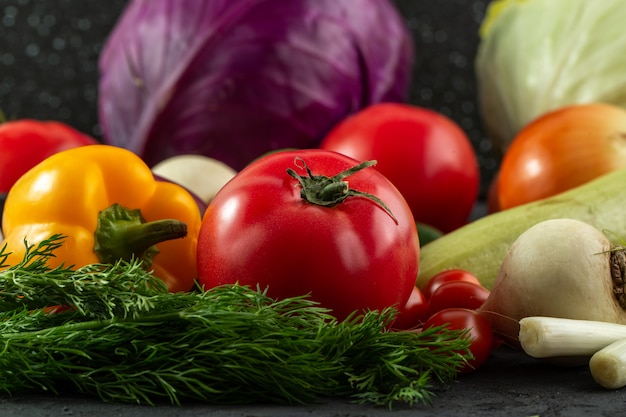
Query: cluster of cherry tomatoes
(451, 298)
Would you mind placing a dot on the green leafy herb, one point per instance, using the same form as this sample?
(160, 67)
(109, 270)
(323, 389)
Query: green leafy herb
(125, 338)
(98, 290)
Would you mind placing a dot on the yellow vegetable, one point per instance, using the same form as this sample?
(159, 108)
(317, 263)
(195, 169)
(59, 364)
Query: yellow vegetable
(480, 246)
(106, 203)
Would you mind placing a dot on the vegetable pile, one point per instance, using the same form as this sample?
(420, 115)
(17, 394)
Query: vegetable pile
(102, 297)
(269, 220)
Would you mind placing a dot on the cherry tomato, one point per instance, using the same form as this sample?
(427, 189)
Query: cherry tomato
(457, 294)
(447, 276)
(414, 313)
(480, 332)
(349, 256)
(24, 143)
(423, 153)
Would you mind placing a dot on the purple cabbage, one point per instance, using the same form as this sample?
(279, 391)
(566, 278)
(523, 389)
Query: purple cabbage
(234, 79)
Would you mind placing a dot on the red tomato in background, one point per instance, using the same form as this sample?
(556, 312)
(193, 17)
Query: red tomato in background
(480, 332)
(414, 313)
(427, 156)
(457, 294)
(25, 143)
(449, 275)
(259, 231)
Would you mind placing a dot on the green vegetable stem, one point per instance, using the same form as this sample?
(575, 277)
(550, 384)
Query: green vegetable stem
(125, 338)
(330, 191)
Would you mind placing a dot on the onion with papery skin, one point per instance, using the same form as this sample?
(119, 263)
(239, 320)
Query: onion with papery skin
(558, 268)
(561, 150)
(234, 79)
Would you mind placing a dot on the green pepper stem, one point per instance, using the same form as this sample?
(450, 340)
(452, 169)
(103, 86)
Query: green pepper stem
(123, 233)
(330, 191)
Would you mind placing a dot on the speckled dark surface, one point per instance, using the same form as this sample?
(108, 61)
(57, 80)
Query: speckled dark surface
(49, 51)
(48, 70)
(48, 58)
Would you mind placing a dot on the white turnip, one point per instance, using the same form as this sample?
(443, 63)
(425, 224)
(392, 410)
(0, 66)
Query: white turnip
(558, 268)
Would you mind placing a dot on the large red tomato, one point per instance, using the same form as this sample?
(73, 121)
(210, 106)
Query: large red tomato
(423, 153)
(346, 250)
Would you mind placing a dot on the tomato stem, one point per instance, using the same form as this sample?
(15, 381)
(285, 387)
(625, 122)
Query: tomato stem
(330, 191)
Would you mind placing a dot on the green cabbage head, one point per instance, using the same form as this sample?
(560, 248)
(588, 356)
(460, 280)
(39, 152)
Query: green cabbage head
(539, 55)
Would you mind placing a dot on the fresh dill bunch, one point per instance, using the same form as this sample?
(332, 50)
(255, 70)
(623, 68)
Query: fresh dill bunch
(125, 338)
(231, 345)
(97, 290)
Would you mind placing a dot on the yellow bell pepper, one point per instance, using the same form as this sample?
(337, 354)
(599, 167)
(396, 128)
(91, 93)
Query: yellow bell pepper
(106, 202)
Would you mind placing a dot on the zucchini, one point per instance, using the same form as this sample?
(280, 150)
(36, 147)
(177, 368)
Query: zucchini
(480, 246)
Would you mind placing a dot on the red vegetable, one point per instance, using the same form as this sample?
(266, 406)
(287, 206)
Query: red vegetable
(449, 275)
(238, 78)
(457, 294)
(414, 312)
(26, 142)
(423, 153)
(350, 255)
(480, 332)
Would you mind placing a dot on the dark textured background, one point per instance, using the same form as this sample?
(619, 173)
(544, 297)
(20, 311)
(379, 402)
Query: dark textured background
(49, 51)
